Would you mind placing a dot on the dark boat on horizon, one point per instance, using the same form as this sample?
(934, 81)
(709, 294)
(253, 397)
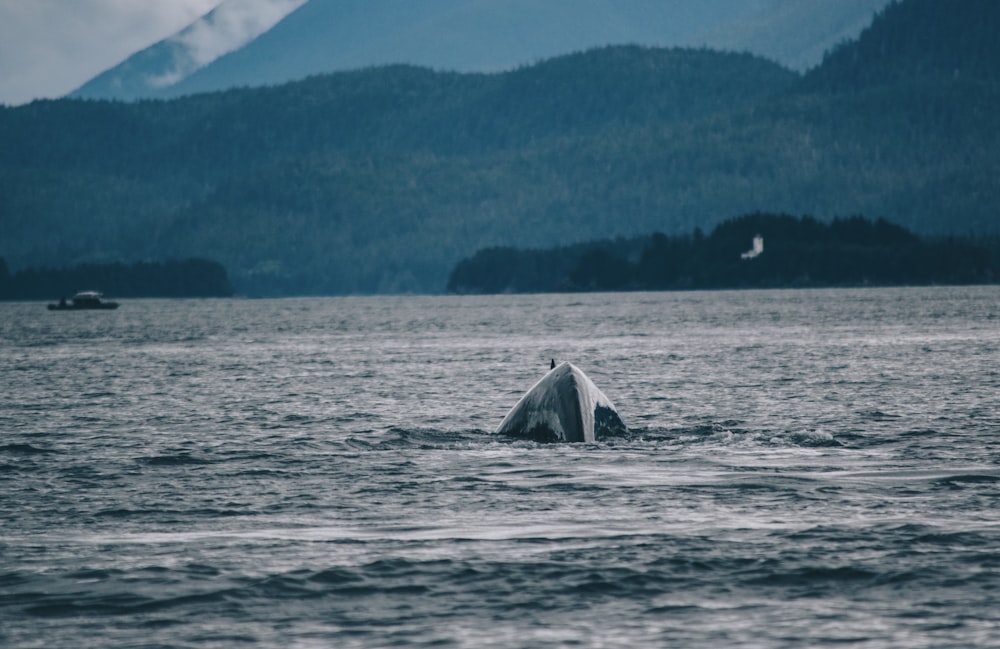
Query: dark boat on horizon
(83, 301)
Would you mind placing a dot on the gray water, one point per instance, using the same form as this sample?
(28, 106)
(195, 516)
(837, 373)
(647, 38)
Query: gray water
(805, 468)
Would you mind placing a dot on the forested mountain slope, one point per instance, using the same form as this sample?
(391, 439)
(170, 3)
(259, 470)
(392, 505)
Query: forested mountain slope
(382, 179)
(918, 42)
(357, 181)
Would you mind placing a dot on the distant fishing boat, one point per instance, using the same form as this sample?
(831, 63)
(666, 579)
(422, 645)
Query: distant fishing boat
(83, 300)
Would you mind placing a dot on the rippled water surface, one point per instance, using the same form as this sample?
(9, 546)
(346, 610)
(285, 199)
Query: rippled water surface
(805, 468)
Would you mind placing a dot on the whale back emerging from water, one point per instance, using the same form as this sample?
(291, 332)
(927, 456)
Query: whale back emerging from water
(566, 406)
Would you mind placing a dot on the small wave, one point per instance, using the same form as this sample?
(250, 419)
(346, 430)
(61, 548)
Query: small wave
(83, 605)
(179, 459)
(722, 434)
(863, 439)
(248, 456)
(126, 602)
(11, 579)
(814, 577)
(123, 513)
(814, 439)
(878, 415)
(727, 434)
(967, 479)
(92, 574)
(335, 576)
(258, 473)
(26, 449)
(964, 539)
(922, 433)
(418, 438)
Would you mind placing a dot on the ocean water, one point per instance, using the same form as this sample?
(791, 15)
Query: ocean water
(804, 469)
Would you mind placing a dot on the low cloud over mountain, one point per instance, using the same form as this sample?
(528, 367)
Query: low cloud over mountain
(230, 26)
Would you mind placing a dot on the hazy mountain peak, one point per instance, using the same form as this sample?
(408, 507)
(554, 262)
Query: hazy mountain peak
(228, 27)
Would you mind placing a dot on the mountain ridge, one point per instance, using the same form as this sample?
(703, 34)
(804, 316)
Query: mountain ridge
(380, 180)
(482, 36)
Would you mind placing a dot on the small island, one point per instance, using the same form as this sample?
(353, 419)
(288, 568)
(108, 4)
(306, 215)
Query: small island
(753, 251)
(187, 278)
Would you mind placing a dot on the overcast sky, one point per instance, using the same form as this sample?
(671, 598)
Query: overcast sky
(51, 47)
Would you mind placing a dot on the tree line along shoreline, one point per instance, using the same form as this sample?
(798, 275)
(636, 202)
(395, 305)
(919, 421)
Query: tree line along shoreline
(759, 250)
(794, 252)
(175, 278)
